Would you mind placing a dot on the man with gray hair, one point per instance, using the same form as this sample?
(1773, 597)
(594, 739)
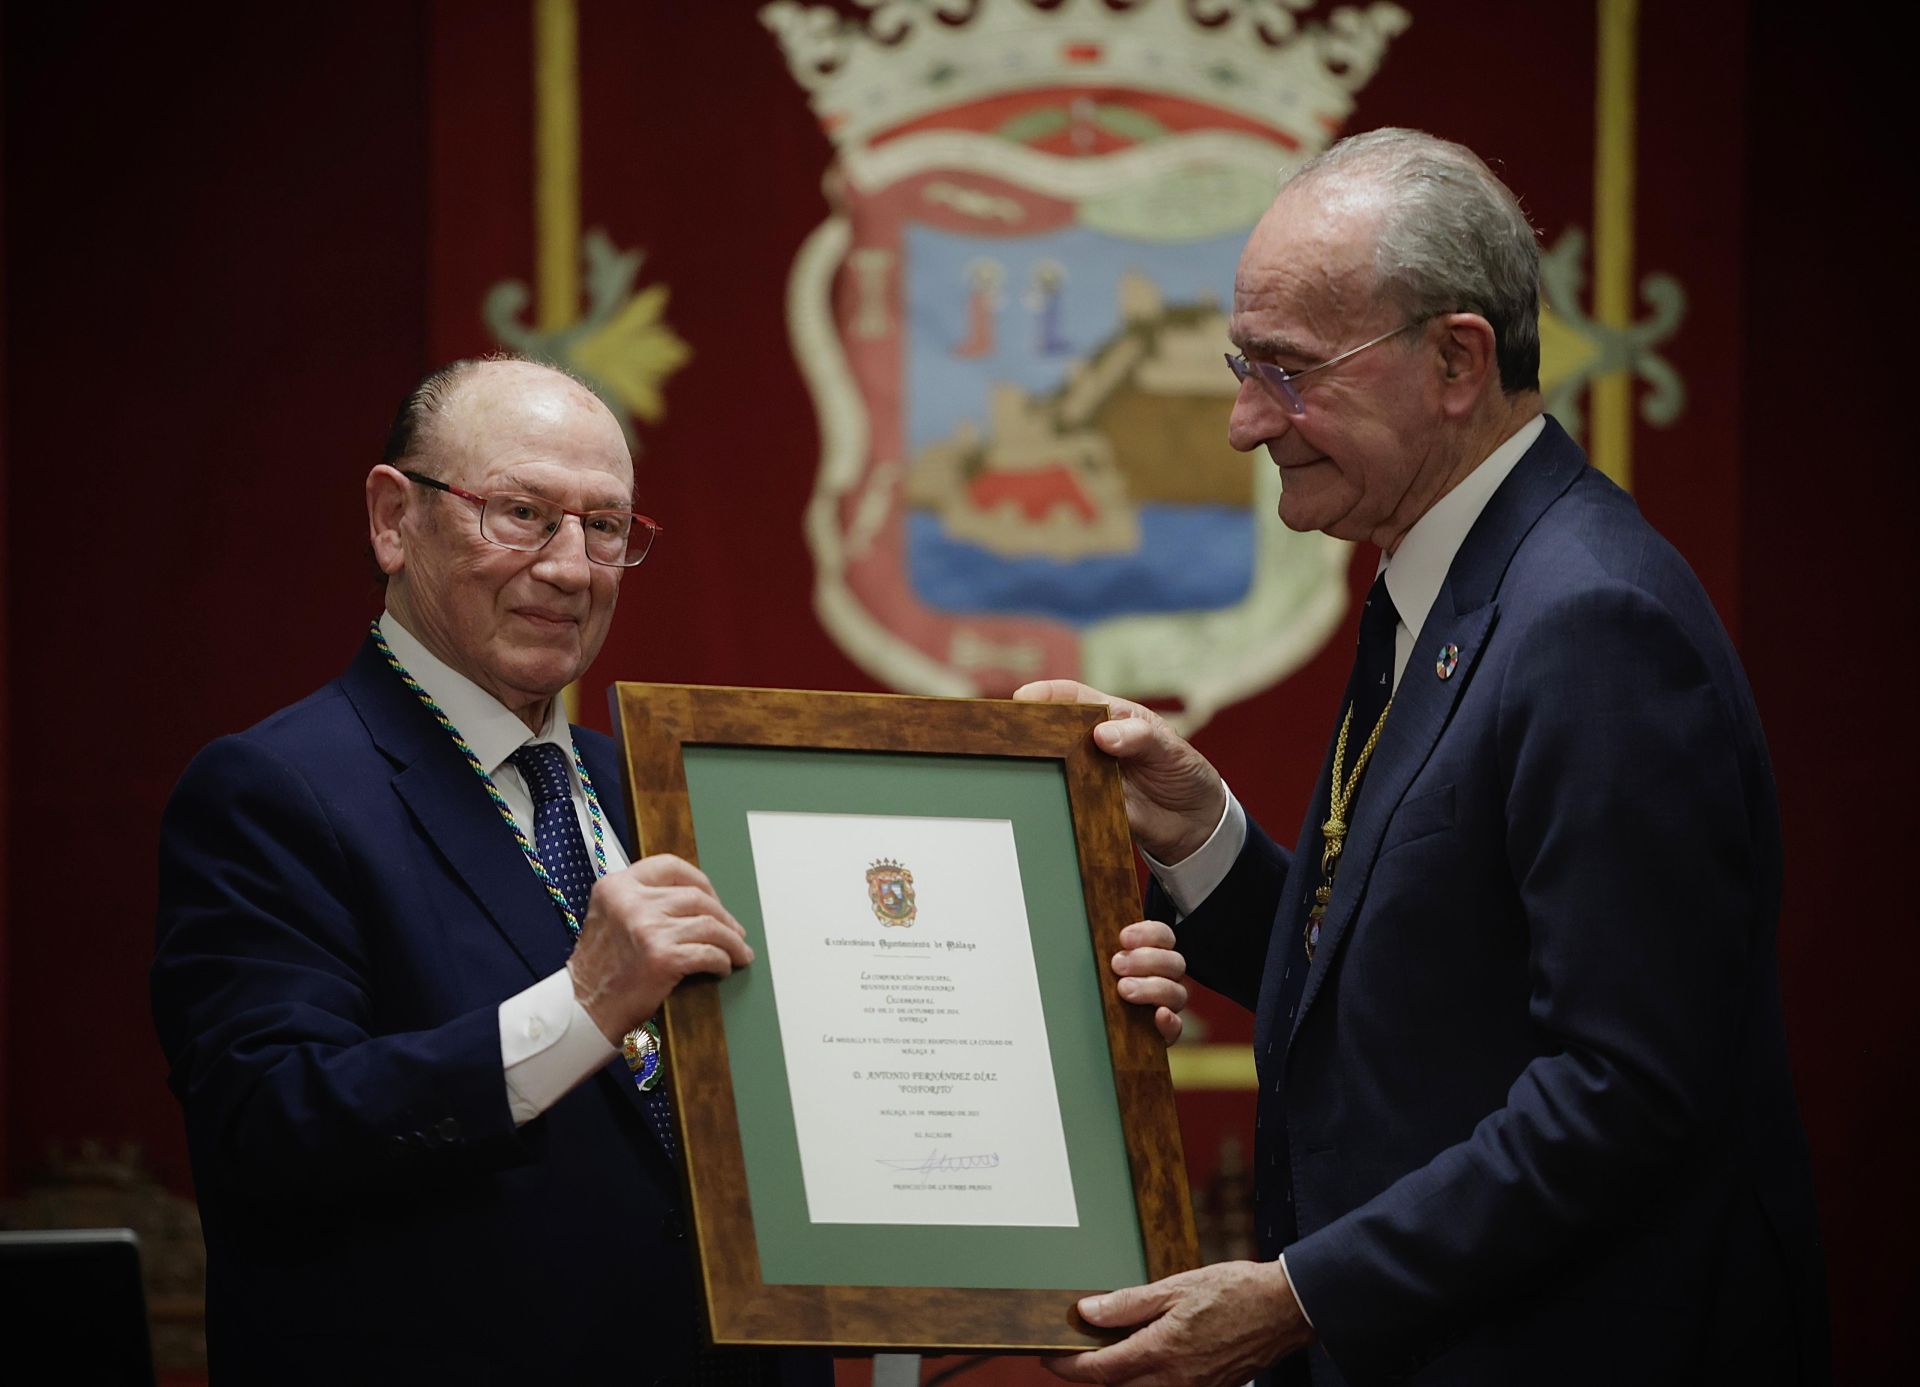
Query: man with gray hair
(1524, 1111)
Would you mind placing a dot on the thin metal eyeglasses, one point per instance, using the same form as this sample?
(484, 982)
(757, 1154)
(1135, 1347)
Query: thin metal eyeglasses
(614, 538)
(1279, 381)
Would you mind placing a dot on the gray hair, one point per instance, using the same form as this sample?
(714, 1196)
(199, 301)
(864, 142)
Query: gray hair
(1453, 238)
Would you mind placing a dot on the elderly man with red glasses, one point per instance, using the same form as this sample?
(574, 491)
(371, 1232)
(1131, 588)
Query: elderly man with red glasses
(427, 1131)
(1524, 1111)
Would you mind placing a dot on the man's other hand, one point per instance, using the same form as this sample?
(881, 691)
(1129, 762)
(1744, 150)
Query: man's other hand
(647, 927)
(1174, 795)
(1150, 971)
(1214, 1327)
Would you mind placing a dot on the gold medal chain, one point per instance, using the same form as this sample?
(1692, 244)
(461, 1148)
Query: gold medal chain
(1334, 830)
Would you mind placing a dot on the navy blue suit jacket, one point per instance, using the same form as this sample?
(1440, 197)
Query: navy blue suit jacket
(342, 912)
(1536, 1094)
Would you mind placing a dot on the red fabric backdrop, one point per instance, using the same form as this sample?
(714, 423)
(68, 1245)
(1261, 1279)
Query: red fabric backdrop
(232, 237)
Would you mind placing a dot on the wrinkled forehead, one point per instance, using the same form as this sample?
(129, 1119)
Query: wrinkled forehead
(520, 425)
(1307, 276)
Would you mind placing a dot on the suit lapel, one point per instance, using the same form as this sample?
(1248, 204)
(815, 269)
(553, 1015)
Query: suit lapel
(1464, 613)
(441, 791)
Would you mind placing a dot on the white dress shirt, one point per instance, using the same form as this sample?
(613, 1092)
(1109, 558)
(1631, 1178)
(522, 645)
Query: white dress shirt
(548, 1043)
(1414, 572)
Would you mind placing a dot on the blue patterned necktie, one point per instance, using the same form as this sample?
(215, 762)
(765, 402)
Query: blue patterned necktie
(556, 828)
(556, 837)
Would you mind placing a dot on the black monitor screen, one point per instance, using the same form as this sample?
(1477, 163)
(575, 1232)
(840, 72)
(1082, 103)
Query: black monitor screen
(71, 1300)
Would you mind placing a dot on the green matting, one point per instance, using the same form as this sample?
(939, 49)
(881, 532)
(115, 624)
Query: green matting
(723, 784)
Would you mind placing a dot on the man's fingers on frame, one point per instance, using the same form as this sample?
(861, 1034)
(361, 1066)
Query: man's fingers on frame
(1072, 691)
(692, 900)
(1127, 1306)
(1049, 691)
(1123, 737)
(1147, 934)
(1062, 691)
(1121, 1362)
(688, 902)
(713, 932)
(711, 958)
(1153, 992)
(1083, 1367)
(1131, 736)
(668, 869)
(1150, 963)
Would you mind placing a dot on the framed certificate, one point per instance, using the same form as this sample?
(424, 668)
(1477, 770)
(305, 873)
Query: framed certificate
(923, 1118)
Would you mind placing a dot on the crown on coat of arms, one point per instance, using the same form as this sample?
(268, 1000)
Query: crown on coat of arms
(912, 58)
(890, 892)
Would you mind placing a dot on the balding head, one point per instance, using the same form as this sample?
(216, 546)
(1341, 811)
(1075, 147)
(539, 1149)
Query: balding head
(410, 440)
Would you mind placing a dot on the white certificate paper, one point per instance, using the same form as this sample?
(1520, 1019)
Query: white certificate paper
(909, 1010)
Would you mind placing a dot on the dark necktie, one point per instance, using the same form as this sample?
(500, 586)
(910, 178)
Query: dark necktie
(556, 828)
(556, 837)
(1369, 687)
(1372, 682)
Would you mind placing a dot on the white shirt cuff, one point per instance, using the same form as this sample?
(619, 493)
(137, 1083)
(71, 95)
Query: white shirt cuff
(1296, 1292)
(1192, 879)
(548, 1044)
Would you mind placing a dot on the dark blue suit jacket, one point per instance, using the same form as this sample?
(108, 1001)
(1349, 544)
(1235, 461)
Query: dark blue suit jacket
(342, 911)
(1536, 1094)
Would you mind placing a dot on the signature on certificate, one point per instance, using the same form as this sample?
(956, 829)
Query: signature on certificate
(935, 1163)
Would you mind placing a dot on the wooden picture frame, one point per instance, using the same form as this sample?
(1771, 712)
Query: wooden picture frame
(874, 1288)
